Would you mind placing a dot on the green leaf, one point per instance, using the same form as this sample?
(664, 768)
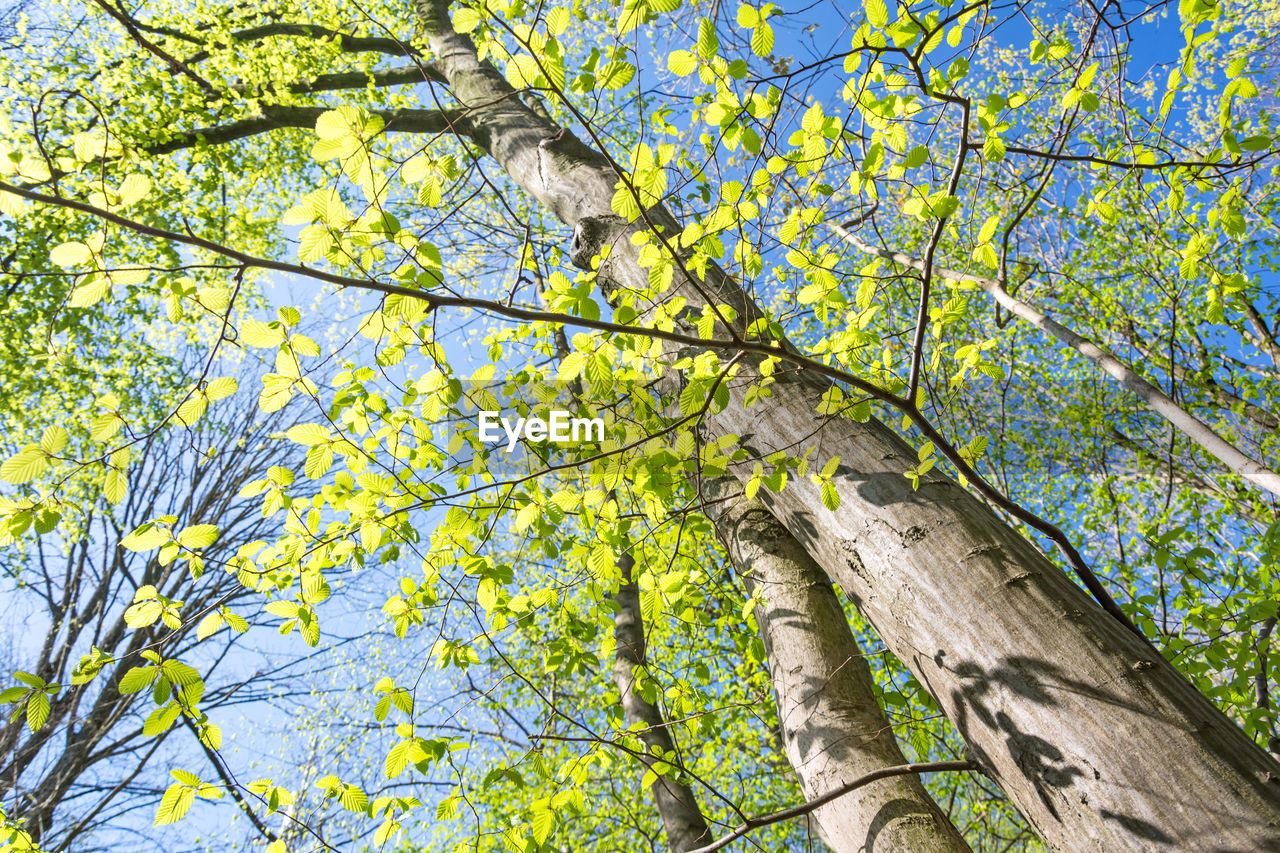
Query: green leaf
(71, 254)
(877, 13)
(762, 40)
(11, 205)
(829, 470)
(309, 434)
(133, 189)
(338, 123)
(161, 719)
(448, 807)
(615, 74)
(753, 484)
(682, 62)
(180, 674)
(558, 20)
(37, 710)
(315, 241)
(175, 803)
(543, 821)
(465, 19)
(30, 680)
(397, 759)
(91, 292)
(388, 828)
(633, 14)
(186, 777)
(276, 392)
(198, 536)
(353, 799)
(601, 561)
(192, 409)
(211, 736)
(53, 440)
(708, 45)
(830, 497)
(222, 387)
(104, 427)
(916, 157)
(256, 334)
(25, 466)
(146, 538)
(989, 228)
(46, 520)
(571, 366)
(137, 679)
(487, 593)
(211, 624)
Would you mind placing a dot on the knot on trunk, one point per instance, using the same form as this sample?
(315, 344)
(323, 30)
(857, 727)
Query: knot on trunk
(433, 15)
(590, 234)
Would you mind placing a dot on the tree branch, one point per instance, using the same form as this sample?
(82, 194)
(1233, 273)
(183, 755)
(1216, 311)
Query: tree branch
(1199, 432)
(175, 64)
(1226, 398)
(274, 117)
(350, 44)
(229, 782)
(817, 802)
(1169, 163)
(1262, 336)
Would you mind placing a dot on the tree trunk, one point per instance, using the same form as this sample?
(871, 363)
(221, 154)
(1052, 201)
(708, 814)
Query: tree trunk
(1100, 743)
(677, 806)
(1097, 739)
(833, 730)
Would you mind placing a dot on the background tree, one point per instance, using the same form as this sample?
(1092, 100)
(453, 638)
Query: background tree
(80, 757)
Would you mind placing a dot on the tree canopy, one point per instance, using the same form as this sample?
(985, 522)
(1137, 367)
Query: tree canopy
(935, 353)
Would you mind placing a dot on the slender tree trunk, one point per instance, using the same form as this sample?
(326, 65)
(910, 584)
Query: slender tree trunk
(833, 729)
(682, 820)
(830, 719)
(1100, 742)
(677, 806)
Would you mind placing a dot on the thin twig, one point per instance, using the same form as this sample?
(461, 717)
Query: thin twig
(819, 802)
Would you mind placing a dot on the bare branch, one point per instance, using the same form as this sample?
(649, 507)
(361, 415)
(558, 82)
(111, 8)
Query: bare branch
(349, 43)
(816, 802)
(275, 117)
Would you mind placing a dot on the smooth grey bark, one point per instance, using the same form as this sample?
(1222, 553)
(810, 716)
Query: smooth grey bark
(682, 819)
(1098, 740)
(833, 730)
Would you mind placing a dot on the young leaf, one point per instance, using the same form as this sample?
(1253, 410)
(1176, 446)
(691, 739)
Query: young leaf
(37, 710)
(175, 803)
